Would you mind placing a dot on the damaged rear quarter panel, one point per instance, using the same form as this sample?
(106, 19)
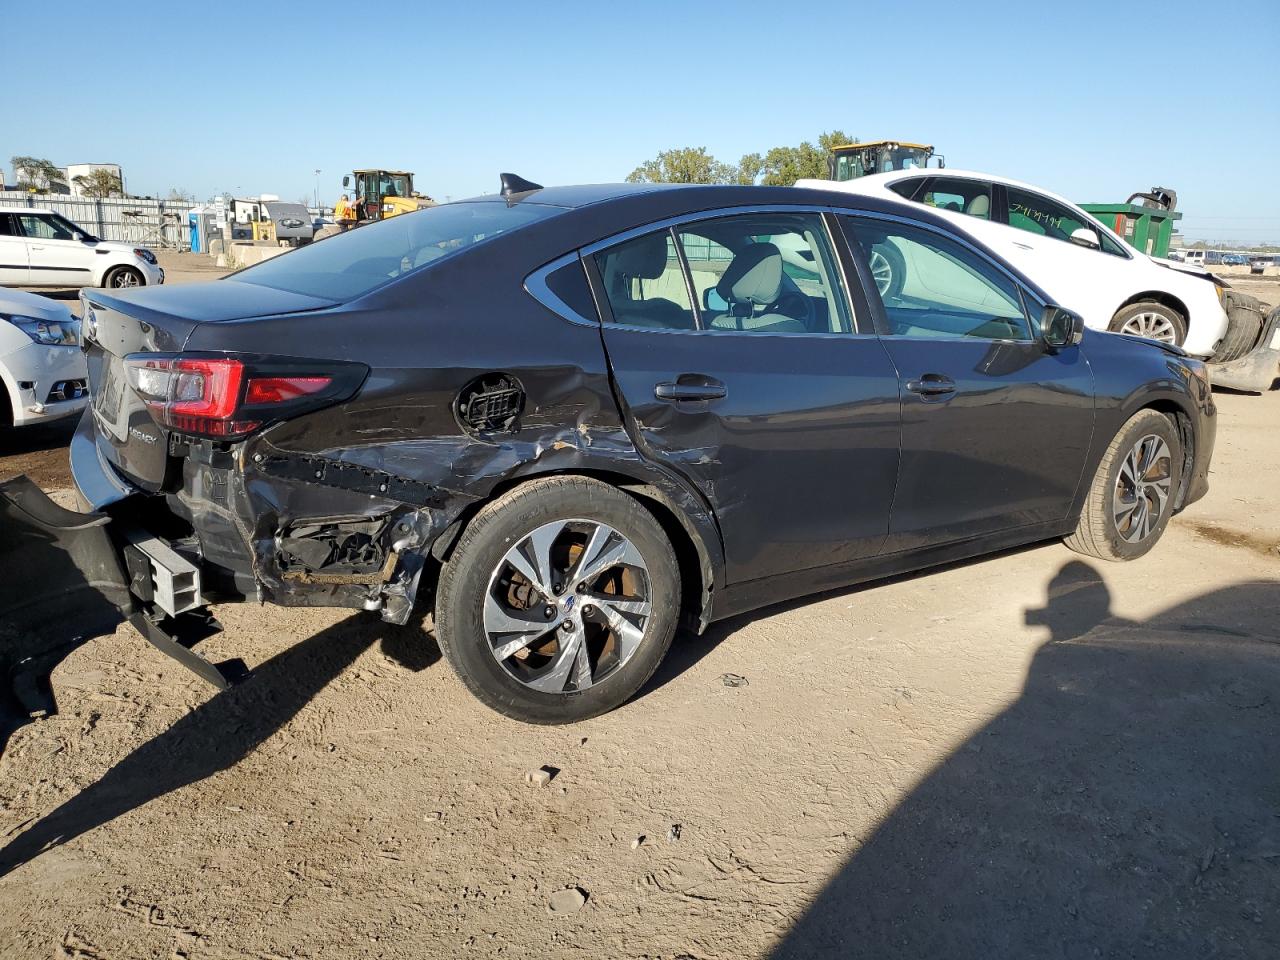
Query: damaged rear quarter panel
(398, 452)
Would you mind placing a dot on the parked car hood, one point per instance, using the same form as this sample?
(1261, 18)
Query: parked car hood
(1191, 269)
(33, 305)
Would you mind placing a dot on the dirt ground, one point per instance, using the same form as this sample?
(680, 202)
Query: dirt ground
(1031, 755)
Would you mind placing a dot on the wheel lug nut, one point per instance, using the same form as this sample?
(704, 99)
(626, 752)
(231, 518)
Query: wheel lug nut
(557, 587)
(582, 588)
(588, 609)
(567, 626)
(548, 612)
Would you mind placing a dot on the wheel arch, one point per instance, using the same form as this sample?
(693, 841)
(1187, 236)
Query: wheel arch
(1184, 426)
(1159, 296)
(695, 540)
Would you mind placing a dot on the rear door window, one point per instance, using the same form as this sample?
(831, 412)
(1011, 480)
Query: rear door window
(971, 197)
(765, 273)
(645, 284)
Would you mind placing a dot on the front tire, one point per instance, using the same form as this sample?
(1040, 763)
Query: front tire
(124, 278)
(559, 601)
(1153, 320)
(1132, 495)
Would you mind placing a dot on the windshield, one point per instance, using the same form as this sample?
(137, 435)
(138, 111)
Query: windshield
(344, 267)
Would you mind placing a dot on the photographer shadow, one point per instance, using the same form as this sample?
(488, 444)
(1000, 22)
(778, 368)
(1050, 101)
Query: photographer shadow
(1126, 805)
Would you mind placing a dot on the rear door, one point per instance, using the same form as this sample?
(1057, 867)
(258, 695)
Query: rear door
(995, 429)
(13, 253)
(741, 366)
(58, 259)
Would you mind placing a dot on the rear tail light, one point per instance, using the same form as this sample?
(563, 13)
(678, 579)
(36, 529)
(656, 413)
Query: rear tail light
(230, 397)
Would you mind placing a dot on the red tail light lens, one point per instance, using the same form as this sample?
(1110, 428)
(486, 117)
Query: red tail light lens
(283, 389)
(228, 397)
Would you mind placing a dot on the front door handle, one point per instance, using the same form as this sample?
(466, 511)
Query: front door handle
(690, 387)
(932, 385)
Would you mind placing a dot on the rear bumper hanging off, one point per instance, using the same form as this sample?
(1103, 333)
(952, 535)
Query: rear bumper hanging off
(1257, 370)
(71, 587)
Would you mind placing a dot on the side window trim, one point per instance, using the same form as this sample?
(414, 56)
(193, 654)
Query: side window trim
(690, 291)
(1028, 296)
(535, 284)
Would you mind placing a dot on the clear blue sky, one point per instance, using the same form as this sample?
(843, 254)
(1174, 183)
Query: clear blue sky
(1092, 100)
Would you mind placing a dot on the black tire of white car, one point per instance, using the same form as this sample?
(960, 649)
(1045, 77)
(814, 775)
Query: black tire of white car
(472, 572)
(1245, 315)
(1098, 534)
(1128, 316)
(115, 277)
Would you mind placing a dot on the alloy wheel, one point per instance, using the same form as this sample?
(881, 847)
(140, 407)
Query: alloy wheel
(1141, 494)
(567, 606)
(881, 271)
(1152, 325)
(125, 278)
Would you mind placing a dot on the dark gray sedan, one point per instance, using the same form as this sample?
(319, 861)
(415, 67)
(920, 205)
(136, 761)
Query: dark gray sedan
(567, 419)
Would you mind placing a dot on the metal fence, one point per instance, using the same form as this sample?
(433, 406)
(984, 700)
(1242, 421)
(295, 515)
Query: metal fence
(149, 223)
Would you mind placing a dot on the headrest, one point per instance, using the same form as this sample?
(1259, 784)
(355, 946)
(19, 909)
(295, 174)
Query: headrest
(979, 206)
(754, 276)
(645, 258)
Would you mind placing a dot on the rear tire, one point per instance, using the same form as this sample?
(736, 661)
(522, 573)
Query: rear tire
(550, 525)
(1153, 320)
(1124, 514)
(124, 278)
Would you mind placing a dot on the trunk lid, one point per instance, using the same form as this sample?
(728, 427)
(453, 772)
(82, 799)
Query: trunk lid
(157, 320)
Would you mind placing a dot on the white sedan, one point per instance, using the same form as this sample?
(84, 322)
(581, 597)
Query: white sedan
(42, 371)
(40, 248)
(1073, 256)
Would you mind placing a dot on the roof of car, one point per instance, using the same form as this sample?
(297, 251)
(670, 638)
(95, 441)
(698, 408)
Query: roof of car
(877, 181)
(581, 195)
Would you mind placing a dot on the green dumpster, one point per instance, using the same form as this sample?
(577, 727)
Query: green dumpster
(1143, 226)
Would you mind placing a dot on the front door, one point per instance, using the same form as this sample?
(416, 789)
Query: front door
(994, 427)
(58, 259)
(13, 253)
(740, 367)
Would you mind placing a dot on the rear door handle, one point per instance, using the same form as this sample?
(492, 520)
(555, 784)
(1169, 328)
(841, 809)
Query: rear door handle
(932, 385)
(690, 387)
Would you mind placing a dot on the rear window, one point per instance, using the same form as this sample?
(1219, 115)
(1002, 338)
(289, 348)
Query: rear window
(347, 266)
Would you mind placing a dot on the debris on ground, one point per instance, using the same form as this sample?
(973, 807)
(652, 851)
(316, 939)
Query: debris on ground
(542, 776)
(674, 833)
(638, 842)
(734, 680)
(569, 900)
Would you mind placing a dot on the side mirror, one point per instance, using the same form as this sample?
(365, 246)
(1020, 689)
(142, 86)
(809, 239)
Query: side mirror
(1084, 237)
(1060, 328)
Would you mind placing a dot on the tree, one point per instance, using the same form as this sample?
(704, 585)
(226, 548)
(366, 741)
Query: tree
(684, 165)
(781, 166)
(179, 195)
(36, 173)
(99, 184)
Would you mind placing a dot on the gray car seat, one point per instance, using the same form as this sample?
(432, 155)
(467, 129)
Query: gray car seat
(642, 259)
(751, 285)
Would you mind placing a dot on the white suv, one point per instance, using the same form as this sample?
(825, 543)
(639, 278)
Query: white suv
(42, 371)
(40, 248)
(1077, 260)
